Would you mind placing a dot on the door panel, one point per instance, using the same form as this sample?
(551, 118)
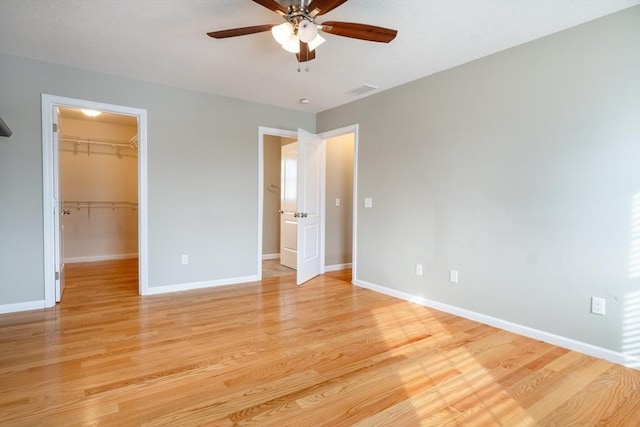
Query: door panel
(58, 210)
(288, 206)
(309, 205)
(311, 248)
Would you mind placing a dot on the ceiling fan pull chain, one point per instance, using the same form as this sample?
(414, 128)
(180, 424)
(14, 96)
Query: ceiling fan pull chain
(306, 67)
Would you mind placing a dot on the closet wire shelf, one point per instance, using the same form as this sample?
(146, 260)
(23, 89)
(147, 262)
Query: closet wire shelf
(132, 143)
(92, 204)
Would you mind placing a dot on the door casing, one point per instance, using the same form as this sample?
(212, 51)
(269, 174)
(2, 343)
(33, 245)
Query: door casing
(48, 103)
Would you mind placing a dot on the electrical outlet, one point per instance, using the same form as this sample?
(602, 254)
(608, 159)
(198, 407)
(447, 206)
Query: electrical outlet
(185, 259)
(453, 276)
(418, 269)
(598, 305)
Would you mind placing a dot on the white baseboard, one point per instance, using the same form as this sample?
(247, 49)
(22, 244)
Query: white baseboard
(22, 306)
(568, 343)
(99, 258)
(155, 290)
(337, 267)
(270, 256)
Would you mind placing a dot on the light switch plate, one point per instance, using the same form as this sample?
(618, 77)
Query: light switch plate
(598, 305)
(453, 276)
(368, 202)
(338, 201)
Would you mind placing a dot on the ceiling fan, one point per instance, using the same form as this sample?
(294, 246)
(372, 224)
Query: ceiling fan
(299, 33)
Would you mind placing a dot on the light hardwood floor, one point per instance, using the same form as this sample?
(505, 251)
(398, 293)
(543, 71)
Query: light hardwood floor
(271, 353)
(273, 268)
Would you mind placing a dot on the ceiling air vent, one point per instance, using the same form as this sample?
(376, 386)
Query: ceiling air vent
(361, 90)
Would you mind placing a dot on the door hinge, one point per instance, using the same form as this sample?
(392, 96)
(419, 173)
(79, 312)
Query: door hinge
(57, 275)
(55, 127)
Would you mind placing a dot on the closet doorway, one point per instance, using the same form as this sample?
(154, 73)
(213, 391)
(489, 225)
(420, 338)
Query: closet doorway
(98, 178)
(94, 172)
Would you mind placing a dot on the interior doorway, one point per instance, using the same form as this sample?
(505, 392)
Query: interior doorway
(275, 187)
(81, 194)
(339, 194)
(98, 179)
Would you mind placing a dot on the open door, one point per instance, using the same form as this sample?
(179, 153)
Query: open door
(309, 205)
(58, 208)
(288, 205)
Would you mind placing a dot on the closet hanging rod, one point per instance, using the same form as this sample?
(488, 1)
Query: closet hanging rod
(99, 204)
(100, 141)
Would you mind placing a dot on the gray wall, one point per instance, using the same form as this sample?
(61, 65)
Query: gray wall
(339, 184)
(519, 170)
(270, 214)
(202, 174)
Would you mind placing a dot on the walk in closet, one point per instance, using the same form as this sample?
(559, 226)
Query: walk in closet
(98, 179)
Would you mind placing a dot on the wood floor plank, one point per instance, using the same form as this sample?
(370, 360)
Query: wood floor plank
(274, 353)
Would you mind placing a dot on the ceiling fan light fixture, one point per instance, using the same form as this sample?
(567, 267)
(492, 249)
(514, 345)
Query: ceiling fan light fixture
(281, 33)
(307, 31)
(292, 44)
(317, 41)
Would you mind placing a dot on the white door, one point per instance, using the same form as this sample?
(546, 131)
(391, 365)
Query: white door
(288, 205)
(58, 209)
(309, 205)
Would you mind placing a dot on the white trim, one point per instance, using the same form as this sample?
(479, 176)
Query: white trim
(568, 343)
(155, 290)
(48, 103)
(337, 267)
(22, 306)
(48, 206)
(143, 206)
(99, 258)
(323, 206)
(270, 256)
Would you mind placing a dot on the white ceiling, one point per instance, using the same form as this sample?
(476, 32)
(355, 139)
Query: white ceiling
(164, 41)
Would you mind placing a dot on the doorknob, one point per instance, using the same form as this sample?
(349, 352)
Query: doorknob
(281, 211)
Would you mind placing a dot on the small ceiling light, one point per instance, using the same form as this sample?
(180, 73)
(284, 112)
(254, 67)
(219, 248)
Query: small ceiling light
(292, 44)
(307, 31)
(282, 32)
(317, 41)
(90, 113)
(304, 101)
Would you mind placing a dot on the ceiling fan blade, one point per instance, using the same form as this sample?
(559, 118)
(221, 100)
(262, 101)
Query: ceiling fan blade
(305, 54)
(359, 31)
(320, 7)
(223, 34)
(272, 5)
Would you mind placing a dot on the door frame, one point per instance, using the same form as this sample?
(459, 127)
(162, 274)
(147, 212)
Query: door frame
(262, 131)
(49, 102)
